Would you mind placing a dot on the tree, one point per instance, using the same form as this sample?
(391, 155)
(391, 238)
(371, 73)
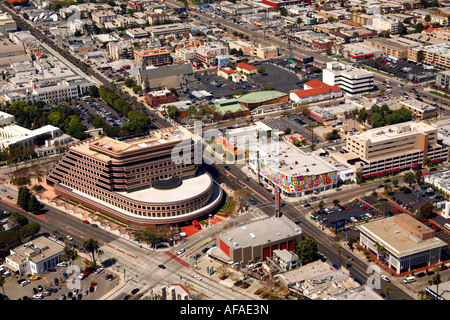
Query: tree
(261, 69)
(395, 182)
(418, 176)
(128, 82)
(336, 202)
(242, 195)
(425, 210)
(171, 111)
(307, 251)
(409, 178)
(387, 188)
(91, 245)
(23, 198)
(384, 207)
(17, 220)
(33, 204)
(69, 254)
(93, 91)
(29, 230)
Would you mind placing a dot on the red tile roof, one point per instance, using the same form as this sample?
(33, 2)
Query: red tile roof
(227, 70)
(246, 66)
(318, 87)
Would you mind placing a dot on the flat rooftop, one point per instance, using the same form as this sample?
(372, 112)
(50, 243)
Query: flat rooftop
(189, 188)
(393, 131)
(397, 239)
(292, 161)
(260, 232)
(155, 138)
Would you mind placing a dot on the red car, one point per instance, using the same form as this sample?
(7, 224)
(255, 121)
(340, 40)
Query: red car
(85, 221)
(397, 210)
(365, 207)
(345, 206)
(9, 197)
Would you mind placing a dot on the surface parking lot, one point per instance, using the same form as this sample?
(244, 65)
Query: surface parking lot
(354, 212)
(57, 284)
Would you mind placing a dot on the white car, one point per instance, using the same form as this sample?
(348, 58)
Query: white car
(62, 264)
(385, 278)
(182, 251)
(197, 277)
(24, 283)
(99, 270)
(38, 296)
(354, 219)
(69, 238)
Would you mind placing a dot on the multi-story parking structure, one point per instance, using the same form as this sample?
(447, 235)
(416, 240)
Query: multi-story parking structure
(140, 182)
(394, 148)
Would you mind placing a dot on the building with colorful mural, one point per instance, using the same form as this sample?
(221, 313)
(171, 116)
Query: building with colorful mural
(297, 173)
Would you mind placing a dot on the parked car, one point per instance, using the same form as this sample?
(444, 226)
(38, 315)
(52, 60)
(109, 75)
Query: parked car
(99, 270)
(385, 278)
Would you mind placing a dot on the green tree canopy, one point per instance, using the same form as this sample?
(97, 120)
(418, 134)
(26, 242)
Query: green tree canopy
(307, 251)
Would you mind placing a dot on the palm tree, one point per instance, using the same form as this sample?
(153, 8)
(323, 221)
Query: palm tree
(91, 245)
(338, 248)
(421, 294)
(69, 254)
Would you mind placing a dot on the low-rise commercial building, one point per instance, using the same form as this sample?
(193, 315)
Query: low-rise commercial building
(257, 240)
(409, 243)
(419, 109)
(293, 171)
(314, 91)
(34, 257)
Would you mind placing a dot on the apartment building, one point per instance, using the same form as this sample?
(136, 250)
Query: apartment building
(207, 53)
(102, 16)
(351, 80)
(152, 57)
(152, 180)
(437, 55)
(443, 80)
(185, 53)
(361, 18)
(396, 47)
(121, 49)
(382, 23)
(394, 148)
